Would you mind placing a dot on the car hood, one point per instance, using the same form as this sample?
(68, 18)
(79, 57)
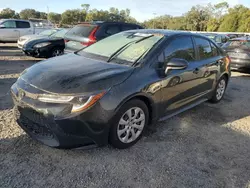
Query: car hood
(37, 40)
(28, 37)
(74, 74)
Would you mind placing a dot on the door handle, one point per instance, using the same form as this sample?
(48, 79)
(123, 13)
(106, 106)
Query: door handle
(16, 30)
(196, 71)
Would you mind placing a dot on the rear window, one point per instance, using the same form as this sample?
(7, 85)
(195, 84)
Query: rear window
(237, 43)
(81, 30)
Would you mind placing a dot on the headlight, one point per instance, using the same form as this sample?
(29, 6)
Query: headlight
(55, 99)
(79, 103)
(43, 44)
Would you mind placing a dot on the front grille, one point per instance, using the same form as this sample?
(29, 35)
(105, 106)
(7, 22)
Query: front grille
(33, 122)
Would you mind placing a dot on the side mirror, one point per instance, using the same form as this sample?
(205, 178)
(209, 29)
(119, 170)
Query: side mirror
(2, 26)
(176, 64)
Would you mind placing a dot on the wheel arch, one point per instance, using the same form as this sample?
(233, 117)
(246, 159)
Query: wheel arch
(144, 98)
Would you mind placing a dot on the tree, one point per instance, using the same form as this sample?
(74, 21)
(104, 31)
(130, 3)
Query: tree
(28, 13)
(42, 15)
(213, 24)
(73, 16)
(237, 19)
(7, 13)
(197, 18)
(54, 17)
(220, 9)
(229, 23)
(85, 9)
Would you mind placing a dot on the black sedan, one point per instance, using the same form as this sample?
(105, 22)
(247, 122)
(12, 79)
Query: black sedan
(112, 90)
(239, 51)
(47, 46)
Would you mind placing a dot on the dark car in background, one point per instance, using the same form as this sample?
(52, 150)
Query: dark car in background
(219, 39)
(238, 50)
(110, 91)
(48, 32)
(88, 33)
(232, 36)
(46, 46)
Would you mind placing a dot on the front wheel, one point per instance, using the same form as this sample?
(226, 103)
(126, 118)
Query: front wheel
(129, 124)
(219, 90)
(56, 52)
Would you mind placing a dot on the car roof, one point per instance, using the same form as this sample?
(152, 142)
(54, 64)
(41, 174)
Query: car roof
(165, 32)
(14, 20)
(105, 22)
(241, 38)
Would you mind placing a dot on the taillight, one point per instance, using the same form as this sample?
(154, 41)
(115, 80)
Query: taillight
(66, 40)
(92, 38)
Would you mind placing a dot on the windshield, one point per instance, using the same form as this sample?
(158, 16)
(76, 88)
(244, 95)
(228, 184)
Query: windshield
(60, 33)
(237, 43)
(131, 53)
(48, 32)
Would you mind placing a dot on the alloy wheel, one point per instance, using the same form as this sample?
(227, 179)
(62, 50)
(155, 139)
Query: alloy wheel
(220, 89)
(57, 52)
(131, 125)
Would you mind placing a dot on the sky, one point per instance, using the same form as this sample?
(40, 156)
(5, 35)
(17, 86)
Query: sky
(140, 9)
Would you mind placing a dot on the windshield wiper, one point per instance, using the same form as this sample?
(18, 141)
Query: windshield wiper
(117, 52)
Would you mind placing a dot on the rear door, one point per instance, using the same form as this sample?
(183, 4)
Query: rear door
(9, 32)
(210, 61)
(24, 28)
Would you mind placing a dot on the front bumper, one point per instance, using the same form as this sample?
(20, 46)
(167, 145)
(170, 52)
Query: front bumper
(37, 52)
(38, 121)
(60, 134)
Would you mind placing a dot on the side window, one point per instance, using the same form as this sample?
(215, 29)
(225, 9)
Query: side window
(21, 24)
(218, 39)
(126, 27)
(181, 47)
(214, 49)
(10, 24)
(112, 29)
(205, 50)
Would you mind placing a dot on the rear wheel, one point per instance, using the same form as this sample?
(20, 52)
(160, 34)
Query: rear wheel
(219, 90)
(129, 124)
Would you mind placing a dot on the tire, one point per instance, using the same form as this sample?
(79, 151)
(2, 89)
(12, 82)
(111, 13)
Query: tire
(126, 127)
(56, 52)
(220, 87)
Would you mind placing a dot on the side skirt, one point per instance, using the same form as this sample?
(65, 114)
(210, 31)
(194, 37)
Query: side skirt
(182, 110)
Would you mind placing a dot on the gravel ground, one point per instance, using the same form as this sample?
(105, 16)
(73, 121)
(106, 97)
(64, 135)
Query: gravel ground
(208, 146)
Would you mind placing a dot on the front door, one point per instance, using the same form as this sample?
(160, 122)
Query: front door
(9, 32)
(181, 88)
